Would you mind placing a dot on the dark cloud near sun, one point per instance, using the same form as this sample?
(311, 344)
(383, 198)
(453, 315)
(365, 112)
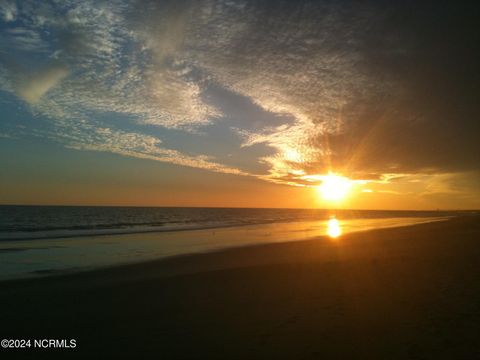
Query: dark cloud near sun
(431, 124)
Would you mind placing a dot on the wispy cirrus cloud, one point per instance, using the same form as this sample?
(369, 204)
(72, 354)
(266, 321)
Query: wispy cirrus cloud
(8, 10)
(96, 64)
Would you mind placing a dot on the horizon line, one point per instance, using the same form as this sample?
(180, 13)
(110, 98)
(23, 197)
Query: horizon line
(238, 207)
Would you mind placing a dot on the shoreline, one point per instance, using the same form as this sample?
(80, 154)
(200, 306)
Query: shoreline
(276, 232)
(171, 261)
(138, 232)
(121, 229)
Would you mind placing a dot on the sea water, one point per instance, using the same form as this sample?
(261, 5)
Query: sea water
(42, 240)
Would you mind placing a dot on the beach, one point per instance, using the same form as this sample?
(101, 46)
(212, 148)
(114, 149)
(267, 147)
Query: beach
(397, 293)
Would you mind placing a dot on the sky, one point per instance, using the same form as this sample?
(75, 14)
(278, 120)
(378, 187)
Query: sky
(239, 103)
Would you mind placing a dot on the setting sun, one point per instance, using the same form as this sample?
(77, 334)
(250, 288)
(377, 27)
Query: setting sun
(334, 187)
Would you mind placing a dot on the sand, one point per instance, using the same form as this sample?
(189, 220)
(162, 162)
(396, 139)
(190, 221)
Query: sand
(404, 293)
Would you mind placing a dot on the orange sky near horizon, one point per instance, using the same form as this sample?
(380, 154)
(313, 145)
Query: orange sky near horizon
(86, 180)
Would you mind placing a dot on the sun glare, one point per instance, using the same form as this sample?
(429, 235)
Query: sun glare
(334, 187)
(333, 228)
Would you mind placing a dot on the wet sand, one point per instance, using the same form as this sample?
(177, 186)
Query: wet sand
(403, 293)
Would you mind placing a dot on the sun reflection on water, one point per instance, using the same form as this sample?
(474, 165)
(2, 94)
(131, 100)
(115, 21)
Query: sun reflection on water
(333, 228)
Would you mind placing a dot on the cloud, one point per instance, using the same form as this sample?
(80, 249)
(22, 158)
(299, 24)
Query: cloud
(304, 60)
(158, 154)
(82, 135)
(366, 89)
(23, 39)
(8, 10)
(32, 87)
(370, 95)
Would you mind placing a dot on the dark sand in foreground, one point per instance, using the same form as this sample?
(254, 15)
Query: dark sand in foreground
(405, 293)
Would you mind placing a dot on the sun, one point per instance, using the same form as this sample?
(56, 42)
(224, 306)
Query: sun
(334, 187)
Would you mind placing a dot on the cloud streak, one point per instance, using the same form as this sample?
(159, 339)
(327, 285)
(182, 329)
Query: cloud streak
(32, 87)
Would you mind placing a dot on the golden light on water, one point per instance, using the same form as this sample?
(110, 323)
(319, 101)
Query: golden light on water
(333, 228)
(334, 187)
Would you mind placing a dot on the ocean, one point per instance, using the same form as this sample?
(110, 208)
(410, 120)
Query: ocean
(45, 240)
(48, 222)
